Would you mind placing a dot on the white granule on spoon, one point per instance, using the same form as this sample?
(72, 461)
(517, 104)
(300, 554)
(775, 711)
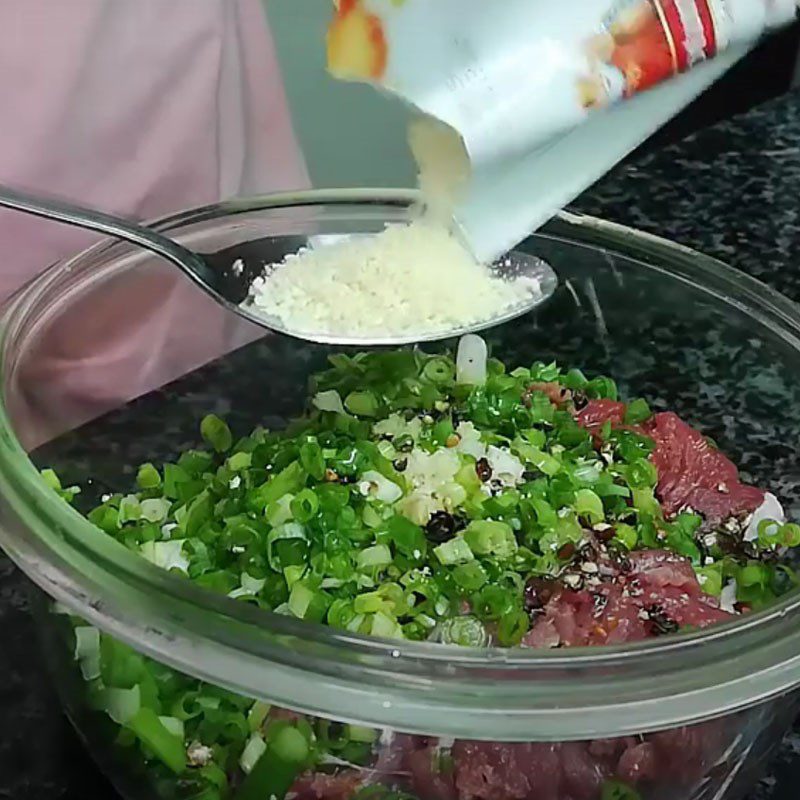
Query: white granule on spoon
(408, 279)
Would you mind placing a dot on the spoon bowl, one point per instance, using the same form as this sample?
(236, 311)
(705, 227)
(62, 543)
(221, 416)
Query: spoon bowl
(513, 265)
(227, 276)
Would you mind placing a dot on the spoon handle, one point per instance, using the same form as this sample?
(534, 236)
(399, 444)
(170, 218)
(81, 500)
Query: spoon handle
(92, 220)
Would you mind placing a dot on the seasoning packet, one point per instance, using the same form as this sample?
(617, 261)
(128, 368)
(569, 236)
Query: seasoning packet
(525, 103)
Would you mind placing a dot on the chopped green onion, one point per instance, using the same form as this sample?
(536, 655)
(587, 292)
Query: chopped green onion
(293, 573)
(122, 704)
(641, 474)
(341, 613)
(312, 459)
(626, 535)
(631, 446)
(300, 600)
(545, 513)
(250, 586)
(439, 370)
(574, 379)
(174, 477)
(468, 478)
(304, 505)
(196, 462)
(369, 603)
(167, 555)
(87, 651)
(454, 551)
(408, 538)
(253, 750)
(121, 666)
(289, 530)
(768, 530)
(371, 517)
(683, 544)
(377, 556)
(385, 626)
(173, 725)
(541, 409)
(601, 388)
(470, 577)
(362, 404)
(148, 477)
(216, 433)
(464, 631)
(544, 462)
(289, 480)
(330, 400)
(54, 482)
(155, 509)
(589, 506)
(535, 436)
(545, 373)
(162, 742)
(130, 509)
(645, 502)
(50, 477)
(240, 461)
(637, 411)
(404, 442)
(680, 536)
(487, 537)
(587, 473)
(106, 518)
(710, 579)
(198, 512)
(492, 602)
(258, 715)
(753, 574)
(280, 511)
(357, 733)
(275, 771)
(512, 628)
(790, 534)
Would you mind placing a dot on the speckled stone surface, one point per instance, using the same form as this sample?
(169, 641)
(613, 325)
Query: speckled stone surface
(731, 191)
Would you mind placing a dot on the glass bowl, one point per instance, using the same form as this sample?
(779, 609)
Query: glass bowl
(110, 360)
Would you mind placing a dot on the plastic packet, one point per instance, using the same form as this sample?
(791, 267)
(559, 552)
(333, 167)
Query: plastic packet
(525, 103)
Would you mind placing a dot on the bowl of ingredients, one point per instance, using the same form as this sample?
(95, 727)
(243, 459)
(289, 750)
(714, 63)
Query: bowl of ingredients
(554, 562)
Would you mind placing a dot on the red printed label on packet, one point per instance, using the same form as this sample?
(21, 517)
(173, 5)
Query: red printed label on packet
(690, 26)
(644, 42)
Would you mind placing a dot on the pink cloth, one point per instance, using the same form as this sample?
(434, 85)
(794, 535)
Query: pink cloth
(140, 108)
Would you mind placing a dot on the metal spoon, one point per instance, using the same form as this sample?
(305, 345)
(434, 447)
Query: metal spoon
(226, 276)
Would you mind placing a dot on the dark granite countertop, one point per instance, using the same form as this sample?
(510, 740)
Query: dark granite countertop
(731, 191)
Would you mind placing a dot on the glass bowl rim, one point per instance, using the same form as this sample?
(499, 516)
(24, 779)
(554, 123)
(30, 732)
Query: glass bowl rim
(173, 620)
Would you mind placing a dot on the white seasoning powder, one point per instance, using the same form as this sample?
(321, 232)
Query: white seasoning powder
(408, 279)
(443, 167)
